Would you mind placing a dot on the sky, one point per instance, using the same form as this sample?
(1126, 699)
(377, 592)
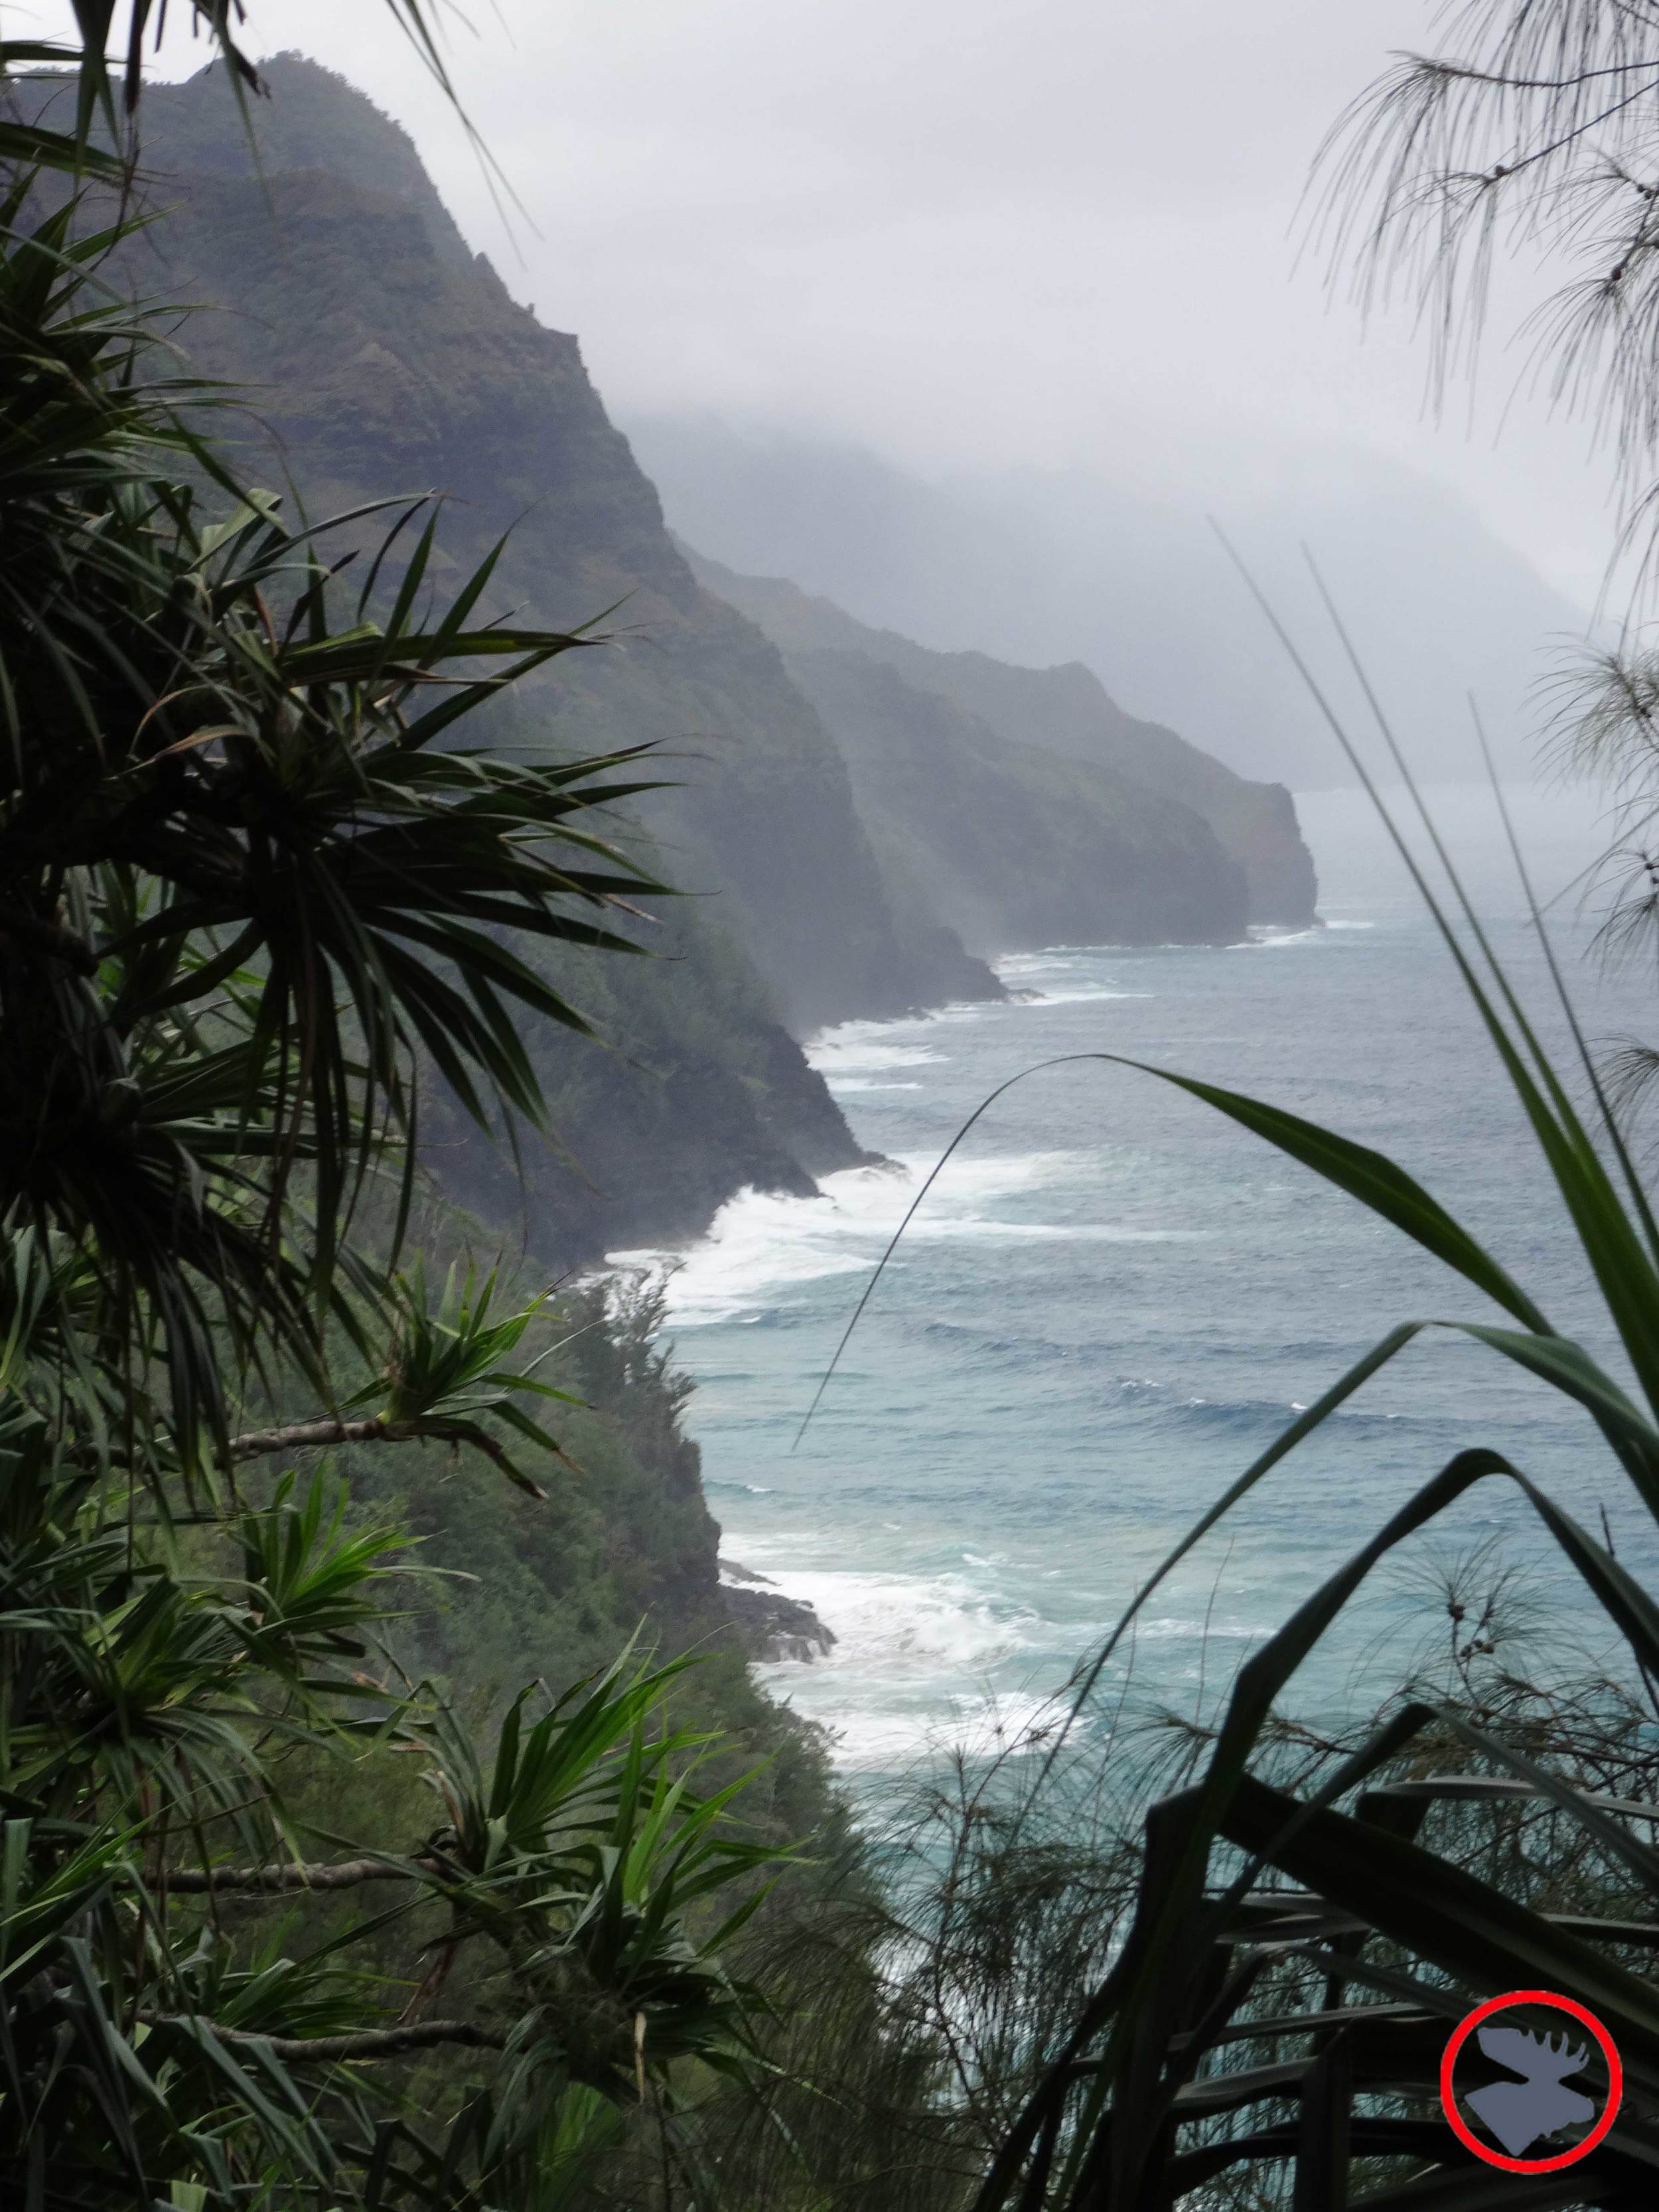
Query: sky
(969, 234)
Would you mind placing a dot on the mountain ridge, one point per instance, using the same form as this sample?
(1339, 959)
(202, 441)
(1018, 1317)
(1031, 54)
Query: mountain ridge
(380, 355)
(1063, 709)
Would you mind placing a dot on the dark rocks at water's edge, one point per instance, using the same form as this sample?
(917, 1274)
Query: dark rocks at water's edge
(771, 1626)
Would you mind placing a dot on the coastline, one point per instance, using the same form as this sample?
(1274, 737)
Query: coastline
(1109, 1305)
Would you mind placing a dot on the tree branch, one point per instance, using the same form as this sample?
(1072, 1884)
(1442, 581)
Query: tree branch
(340, 1873)
(320, 1434)
(435, 1428)
(366, 2043)
(297, 1435)
(306, 1436)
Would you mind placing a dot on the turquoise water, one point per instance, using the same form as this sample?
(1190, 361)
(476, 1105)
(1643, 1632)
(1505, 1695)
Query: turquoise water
(1113, 1299)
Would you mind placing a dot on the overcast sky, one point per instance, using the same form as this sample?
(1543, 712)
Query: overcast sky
(966, 232)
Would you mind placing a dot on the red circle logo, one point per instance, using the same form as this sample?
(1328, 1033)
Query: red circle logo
(1538, 2104)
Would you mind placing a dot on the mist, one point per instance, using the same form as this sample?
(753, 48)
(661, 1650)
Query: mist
(973, 318)
(998, 234)
(1129, 575)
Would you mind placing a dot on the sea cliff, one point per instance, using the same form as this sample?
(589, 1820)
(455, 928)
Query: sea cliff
(831, 875)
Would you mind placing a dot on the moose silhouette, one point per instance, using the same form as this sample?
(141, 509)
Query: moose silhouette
(1518, 2112)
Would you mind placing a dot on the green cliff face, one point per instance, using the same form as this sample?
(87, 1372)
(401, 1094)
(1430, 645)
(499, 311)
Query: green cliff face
(689, 1090)
(962, 811)
(384, 359)
(1063, 710)
(381, 357)
(835, 875)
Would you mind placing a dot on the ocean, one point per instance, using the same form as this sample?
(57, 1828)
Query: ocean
(1114, 1298)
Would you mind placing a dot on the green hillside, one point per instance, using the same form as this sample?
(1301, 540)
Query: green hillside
(379, 357)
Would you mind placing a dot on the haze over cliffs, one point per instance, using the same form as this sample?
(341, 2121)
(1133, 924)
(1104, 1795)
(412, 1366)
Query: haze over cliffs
(940, 744)
(863, 823)
(1124, 572)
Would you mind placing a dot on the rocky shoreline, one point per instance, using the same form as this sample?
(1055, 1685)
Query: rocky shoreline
(771, 1626)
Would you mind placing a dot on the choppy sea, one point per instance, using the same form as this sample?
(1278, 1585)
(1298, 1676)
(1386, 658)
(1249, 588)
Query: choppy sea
(1113, 1299)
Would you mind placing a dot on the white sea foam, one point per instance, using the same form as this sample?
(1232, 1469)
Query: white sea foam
(763, 1243)
(872, 1740)
(1051, 956)
(1083, 998)
(1268, 939)
(863, 1056)
(1061, 976)
(910, 1666)
(1024, 964)
(866, 1047)
(921, 1661)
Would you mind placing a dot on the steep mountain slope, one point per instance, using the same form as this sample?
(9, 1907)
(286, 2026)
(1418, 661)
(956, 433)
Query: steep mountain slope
(381, 347)
(382, 358)
(1064, 710)
(689, 1090)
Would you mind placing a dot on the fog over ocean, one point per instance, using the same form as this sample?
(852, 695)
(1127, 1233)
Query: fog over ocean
(1114, 1299)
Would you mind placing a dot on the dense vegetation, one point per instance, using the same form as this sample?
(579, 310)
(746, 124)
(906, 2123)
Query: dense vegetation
(309, 1900)
(262, 898)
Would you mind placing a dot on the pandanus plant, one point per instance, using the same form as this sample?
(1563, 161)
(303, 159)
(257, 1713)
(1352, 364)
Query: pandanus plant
(260, 884)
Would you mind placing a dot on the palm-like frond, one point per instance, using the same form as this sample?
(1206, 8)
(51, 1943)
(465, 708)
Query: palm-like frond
(104, 68)
(251, 875)
(258, 879)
